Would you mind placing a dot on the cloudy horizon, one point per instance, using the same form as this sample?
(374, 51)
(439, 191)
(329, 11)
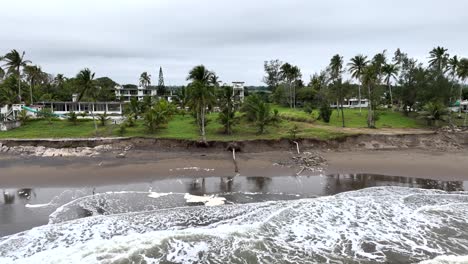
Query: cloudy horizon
(121, 39)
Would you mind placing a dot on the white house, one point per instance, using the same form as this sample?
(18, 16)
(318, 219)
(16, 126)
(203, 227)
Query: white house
(238, 90)
(126, 92)
(352, 103)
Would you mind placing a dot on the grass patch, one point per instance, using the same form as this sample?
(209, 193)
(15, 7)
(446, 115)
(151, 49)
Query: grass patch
(180, 127)
(355, 119)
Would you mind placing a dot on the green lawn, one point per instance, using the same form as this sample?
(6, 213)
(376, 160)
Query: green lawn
(180, 127)
(387, 118)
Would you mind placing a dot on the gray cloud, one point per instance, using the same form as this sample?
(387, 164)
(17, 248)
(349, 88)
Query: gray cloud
(121, 39)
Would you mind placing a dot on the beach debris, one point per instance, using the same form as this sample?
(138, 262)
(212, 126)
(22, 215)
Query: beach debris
(192, 168)
(309, 161)
(121, 155)
(207, 200)
(297, 147)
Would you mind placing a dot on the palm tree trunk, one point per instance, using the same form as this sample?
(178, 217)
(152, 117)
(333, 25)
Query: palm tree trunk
(370, 116)
(31, 92)
(391, 95)
(203, 124)
(460, 98)
(19, 84)
(359, 94)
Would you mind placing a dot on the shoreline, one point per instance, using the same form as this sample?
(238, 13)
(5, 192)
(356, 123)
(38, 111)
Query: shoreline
(437, 156)
(148, 166)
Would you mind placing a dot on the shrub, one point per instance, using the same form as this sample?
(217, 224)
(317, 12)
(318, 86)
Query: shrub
(103, 119)
(23, 116)
(293, 132)
(72, 117)
(325, 112)
(308, 108)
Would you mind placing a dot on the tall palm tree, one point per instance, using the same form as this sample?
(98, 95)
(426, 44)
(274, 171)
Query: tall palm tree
(33, 75)
(200, 94)
(390, 72)
(462, 73)
(336, 69)
(452, 67)
(85, 79)
(14, 62)
(356, 67)
(370, 78)
(438, 59)
(145, 79)
(379, 60)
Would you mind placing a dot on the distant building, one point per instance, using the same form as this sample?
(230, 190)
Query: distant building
(238, 90)
(352, 103)
(126, 92)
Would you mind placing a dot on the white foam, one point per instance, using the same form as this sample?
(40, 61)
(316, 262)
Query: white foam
(207, 200)
(447, 260)
(157, 195)
(37, 205)
(372, 225)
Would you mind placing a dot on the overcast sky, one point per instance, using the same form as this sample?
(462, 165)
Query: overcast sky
(121, 39)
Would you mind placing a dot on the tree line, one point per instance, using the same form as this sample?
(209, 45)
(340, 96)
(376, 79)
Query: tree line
(396, 81)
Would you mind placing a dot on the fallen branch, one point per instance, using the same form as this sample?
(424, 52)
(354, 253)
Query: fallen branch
(302, 169)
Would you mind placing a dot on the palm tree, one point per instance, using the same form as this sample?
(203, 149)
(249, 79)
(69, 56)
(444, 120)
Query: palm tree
(336, 69)
(201, 94)
(145, 79)
(453, 68)
(462, 73)
(85, 79)
(379, 60)
(390, 72)
(14, 62)
(59, 80)
(370, 78)
(438, 59)
(2, 73)
(356, 67)
(33, 75)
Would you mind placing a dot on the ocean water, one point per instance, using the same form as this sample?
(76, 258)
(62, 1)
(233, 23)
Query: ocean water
(385, 224)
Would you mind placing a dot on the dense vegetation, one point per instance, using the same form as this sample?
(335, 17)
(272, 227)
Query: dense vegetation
(399, 88)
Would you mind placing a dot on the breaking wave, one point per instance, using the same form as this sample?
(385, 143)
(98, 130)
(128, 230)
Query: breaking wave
(382, 224)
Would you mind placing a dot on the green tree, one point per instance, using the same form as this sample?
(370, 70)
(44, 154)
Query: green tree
(161, 86)
(462, 73)
(290, 74)
(390, 72)
(227, 116)
(14, 62)
(73, 118)
(438, 59)
(103, 118)
(158, 115)
(34, 75)
(258, 111)
(85, 79)
(336, 70)
(272, 76)
(356, 68)
(145, 79)
(433, 112)
(134, 108)
(201, 95)
(370, 79)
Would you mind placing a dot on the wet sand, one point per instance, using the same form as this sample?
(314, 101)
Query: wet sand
(141, 166)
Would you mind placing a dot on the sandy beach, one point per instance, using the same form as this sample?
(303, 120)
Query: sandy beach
(139, 165)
